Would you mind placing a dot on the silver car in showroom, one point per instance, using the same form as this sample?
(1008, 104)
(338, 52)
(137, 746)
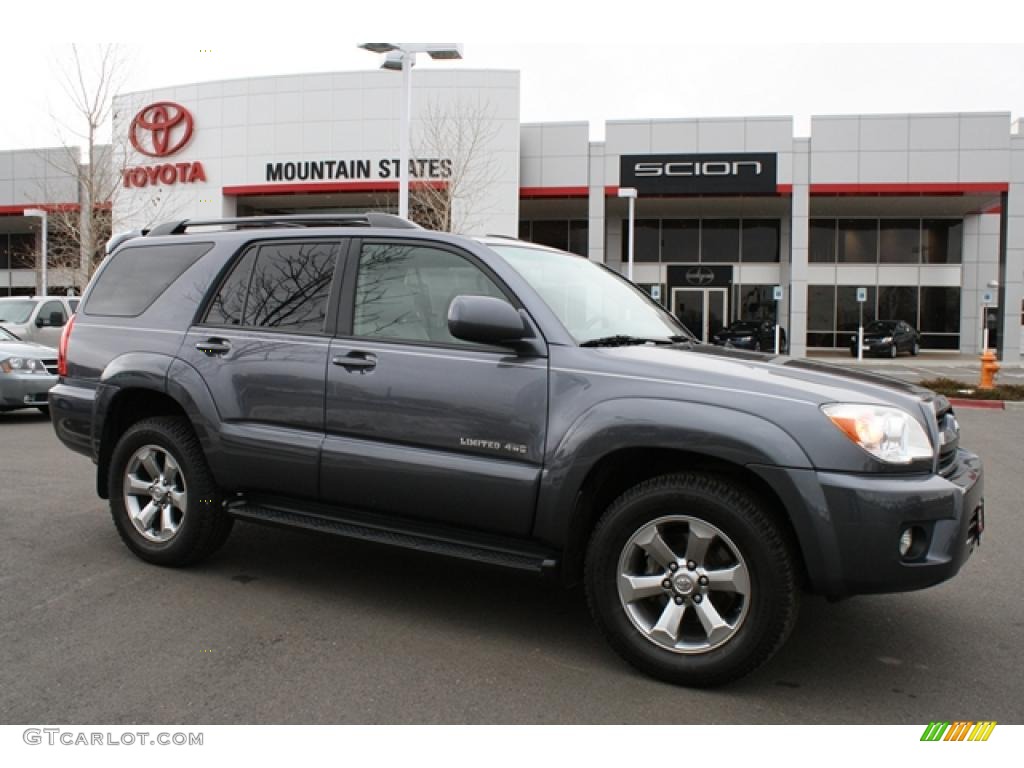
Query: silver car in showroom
(27, 372)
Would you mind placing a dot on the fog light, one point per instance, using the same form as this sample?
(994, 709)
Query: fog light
(906, 542)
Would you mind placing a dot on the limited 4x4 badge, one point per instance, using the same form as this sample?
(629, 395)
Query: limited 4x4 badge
(493, 445)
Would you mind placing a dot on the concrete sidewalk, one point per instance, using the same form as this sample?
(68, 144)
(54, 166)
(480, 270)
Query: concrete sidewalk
(927, 365)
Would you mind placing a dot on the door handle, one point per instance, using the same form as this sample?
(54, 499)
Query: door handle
(214, 347)
(356, 361)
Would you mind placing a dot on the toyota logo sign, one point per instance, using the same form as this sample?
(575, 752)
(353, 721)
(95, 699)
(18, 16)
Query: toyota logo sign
(700, 276)
(161, 129)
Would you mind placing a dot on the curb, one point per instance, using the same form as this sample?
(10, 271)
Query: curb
(991, 405)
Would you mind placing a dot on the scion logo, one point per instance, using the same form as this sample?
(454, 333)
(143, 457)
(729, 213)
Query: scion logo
(161, 129)
(700, 276)
(724, 173)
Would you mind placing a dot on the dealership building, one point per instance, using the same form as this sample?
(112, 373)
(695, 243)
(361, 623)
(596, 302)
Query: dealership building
(916, 217)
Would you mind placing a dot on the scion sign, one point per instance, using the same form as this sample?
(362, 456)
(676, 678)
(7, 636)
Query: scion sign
(733, 173)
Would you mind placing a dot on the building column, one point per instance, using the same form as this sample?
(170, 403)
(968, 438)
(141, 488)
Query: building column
(799, 248)
(1011, 273)
(596, 204)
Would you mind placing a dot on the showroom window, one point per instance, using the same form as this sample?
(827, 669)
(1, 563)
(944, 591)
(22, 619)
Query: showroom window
(712, 241)
(833, 313)
(564, 234)
(886, 241)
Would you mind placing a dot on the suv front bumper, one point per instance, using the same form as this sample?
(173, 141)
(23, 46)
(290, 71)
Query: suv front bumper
(849, 525)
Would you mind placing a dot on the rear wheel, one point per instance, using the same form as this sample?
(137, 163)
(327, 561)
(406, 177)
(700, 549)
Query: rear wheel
(691, 580)
(915, 349)
(163, 498)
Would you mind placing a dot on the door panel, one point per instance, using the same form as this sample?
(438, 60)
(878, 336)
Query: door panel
(262, 352)
(424, 425)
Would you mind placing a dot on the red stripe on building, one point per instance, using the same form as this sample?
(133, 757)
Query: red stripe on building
(530, 193)
(19, 210)
(924, 188)
(324, 188)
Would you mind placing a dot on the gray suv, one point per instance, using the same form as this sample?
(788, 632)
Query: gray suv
(507, 403)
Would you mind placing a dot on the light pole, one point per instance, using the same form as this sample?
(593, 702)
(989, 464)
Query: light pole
(42, 215)
(402, 56)
(630, 194)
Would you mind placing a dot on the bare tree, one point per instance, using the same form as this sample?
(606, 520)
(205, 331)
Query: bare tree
(460, 136)
(78, 233)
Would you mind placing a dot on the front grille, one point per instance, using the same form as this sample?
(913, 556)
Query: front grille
(949, 438)
(51, 367)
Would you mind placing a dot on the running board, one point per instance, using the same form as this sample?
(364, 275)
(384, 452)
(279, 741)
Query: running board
(534, 561)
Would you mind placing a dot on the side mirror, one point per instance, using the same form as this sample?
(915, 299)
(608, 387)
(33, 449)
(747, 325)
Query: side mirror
(485, 320)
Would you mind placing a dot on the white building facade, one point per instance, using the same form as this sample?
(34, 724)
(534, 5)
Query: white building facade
(921, 215)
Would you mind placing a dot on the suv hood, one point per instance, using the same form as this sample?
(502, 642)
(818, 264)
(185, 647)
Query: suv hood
(737, 371)
(26, 349)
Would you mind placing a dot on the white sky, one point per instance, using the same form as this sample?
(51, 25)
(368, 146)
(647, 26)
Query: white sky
(618, 60)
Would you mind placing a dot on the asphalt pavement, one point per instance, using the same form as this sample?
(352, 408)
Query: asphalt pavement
(283, 627)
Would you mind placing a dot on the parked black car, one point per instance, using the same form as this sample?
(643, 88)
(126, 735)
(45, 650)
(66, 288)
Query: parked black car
(888, 338)
(756, 335)
(507, 403)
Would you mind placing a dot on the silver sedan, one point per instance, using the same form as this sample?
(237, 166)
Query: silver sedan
(27, 371)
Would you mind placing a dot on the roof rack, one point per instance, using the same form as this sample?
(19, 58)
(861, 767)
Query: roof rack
(372, 219)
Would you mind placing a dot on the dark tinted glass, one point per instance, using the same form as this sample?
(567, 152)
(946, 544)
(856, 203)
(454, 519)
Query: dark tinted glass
(229, 303)
(289, 287)
(648, 240)
(578, 237)
(403, 292)
(858, 241)
(942, 240)
(760, 241)
(823, 241)
(680, 240)
(821, 307)
(899, 241)
(755, 302)
(552, 233)
(822, 339)
(898, 302)
(720, 240)
(940, 310)
(136, 275)
(524, 230)
(848, 308)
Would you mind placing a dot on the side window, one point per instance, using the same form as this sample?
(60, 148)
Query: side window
(135, 276)
(404, 291)
(51, 311)
(284, 286)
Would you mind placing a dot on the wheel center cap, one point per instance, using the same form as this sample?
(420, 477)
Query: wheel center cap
(159, 494)
(683, 583)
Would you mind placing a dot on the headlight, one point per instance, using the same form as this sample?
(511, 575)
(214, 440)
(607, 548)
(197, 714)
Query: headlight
(887, 340)
(22, 365)
(889, 434)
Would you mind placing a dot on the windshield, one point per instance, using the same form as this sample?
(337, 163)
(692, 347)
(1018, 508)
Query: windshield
(591, 301)
(16, 311)
(880, 326)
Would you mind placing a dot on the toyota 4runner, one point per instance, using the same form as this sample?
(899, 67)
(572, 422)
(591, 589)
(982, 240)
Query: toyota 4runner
(502, 402)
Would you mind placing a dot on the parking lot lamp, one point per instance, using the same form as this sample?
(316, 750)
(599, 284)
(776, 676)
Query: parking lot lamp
(39, 212)
(402, 56)
(630, 194)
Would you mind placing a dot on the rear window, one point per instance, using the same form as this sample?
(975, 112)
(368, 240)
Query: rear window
(135, 277)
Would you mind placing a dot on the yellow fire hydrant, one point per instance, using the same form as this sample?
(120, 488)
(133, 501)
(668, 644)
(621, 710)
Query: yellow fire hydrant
(989, 369)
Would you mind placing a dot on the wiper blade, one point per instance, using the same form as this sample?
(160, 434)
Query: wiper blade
(623, 341)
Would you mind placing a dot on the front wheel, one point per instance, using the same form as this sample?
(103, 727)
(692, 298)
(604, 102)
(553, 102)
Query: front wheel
(163, 498)
(893, 351)
(691, 580)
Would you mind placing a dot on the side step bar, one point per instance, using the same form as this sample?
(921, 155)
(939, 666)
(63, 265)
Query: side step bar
(492, 553)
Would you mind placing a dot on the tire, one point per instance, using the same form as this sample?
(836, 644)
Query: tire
(893, 351)
(757, 346)
(44, 409)
(853, 352)
(737, 533)
(915, 349)
(192, 523)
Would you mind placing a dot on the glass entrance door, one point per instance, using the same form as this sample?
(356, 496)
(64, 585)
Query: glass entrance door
(702, 310)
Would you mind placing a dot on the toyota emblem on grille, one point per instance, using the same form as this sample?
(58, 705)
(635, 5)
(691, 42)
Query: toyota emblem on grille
(700, 276)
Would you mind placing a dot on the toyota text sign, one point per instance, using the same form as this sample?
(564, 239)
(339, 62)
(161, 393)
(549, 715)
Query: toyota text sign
(731, 173)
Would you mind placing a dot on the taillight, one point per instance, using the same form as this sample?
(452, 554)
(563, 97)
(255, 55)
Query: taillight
(62, 349)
